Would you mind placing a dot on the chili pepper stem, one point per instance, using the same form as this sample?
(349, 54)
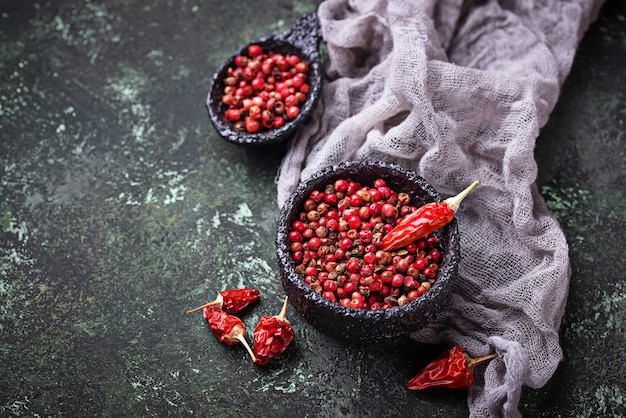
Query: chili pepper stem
(473, 362)
(282, 316)
(243, 341)
(455, 201)
(217, 301)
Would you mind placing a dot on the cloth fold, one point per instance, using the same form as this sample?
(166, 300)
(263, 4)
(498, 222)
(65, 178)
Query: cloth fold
(457, 91)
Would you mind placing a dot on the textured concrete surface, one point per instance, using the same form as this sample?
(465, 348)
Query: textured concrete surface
(120, 208)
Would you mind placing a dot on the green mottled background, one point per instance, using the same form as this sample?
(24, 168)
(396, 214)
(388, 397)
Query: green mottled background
(120, 208)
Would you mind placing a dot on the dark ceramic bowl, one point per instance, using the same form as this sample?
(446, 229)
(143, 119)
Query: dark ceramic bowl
(361, 325)
(302, 39)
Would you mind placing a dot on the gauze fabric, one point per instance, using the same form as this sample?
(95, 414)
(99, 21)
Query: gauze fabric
(457, 91)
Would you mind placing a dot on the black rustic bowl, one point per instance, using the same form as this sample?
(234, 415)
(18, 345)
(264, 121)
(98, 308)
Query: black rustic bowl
(303, 40)
(361, 325)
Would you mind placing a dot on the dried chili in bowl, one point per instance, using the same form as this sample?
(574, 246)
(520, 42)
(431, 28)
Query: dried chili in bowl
(272, 336)
(454, 368)
(425, 220)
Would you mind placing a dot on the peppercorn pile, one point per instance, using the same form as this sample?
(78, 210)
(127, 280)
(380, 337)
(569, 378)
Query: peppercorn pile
(336, 244)
(264, 91)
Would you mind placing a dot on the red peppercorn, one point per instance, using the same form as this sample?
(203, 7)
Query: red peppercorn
(293, 60)
(279, 122)
(402, 265)
(369, 258)
(241, 61)
(388, 210)
(293, 112)
(233, 114)
(254, 112)
(291, 101)
(297, 256)
(254, 50)
(330, 285)
(435, 255)
(352, 266)
(420, 263)
(345, 244)
(252, 125)
(246, 104)
(331, 198)
(386, 276)
(279, 107)
(376, 286)
(429, 273)
(257, 83)
(298, 226)
(432, 241)
(354, 222)
(397, 280)
(355, 200)
(330, 295)
(314, 243)
(365, 235)
(357, 303)
(295, 236)
(298, 80)
(246, 91)
(302, 67)
(258, 101)
(267, 119)
(341, 185)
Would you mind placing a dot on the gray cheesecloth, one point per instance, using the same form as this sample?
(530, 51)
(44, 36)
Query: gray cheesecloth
(457, 91)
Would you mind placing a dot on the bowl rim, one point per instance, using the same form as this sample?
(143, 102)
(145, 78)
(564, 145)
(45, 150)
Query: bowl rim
(287, 215)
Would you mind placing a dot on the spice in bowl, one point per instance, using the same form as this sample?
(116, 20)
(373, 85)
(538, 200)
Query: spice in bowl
(243, 100)
(355, 269)
(367, 246)
(264, 90)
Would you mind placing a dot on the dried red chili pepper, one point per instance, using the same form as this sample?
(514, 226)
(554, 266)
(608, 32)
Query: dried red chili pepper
(452, 369)
(426, 219)
(227, 328)
(232, 300)
(272, 336)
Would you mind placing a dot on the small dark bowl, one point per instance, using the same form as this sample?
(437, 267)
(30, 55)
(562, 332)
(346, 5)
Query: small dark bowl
(361, 325)
(303, 40)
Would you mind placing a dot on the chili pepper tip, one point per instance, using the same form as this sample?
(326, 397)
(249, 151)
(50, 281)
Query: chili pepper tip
(241, 337)
(199, 308)
(455, 201)
(282, 316)
(473, 362)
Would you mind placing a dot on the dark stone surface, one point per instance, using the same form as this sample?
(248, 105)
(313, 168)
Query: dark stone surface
(121, 207)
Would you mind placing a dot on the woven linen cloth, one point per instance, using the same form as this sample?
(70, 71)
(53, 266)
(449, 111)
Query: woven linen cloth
(457, 91)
